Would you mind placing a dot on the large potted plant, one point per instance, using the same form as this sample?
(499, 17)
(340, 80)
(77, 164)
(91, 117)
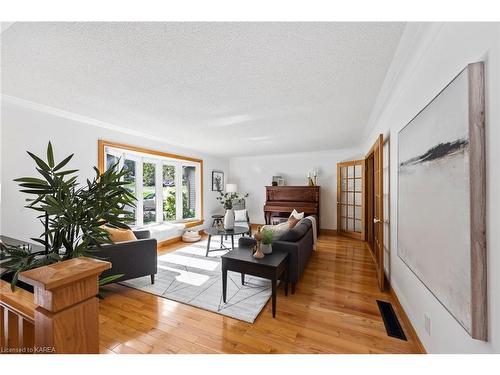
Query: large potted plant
(72, 214)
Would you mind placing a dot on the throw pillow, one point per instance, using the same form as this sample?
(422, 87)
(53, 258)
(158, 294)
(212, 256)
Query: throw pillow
(296, 214)
(279, 230)
(120, 235)
(292, 221)
(240, 215)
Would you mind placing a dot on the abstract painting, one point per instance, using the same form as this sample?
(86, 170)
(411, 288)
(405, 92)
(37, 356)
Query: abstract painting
(440, 177)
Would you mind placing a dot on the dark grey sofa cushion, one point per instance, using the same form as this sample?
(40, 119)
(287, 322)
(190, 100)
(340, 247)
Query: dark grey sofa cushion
(297, 232)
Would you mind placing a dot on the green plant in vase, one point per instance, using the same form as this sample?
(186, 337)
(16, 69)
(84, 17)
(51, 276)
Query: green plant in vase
(227, 200)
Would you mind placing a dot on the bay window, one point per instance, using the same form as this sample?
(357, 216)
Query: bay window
(168, 187)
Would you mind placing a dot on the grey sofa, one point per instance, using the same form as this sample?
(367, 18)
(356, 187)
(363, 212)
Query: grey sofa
(131, 258)
(297, 242)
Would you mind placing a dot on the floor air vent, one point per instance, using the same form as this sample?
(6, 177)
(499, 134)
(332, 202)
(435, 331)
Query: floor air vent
(391, 322)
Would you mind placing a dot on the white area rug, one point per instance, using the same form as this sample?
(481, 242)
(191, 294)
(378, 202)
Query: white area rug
(187, 276)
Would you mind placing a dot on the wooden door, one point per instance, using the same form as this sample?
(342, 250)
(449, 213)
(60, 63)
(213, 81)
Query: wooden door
(350, 200)
(375, 206)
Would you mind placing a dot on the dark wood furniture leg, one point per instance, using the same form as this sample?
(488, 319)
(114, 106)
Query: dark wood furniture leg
(273, 285)
(152, 279)
(286, 282)
(208, 244)
(224, 283)
(232, 241)
(242, 279)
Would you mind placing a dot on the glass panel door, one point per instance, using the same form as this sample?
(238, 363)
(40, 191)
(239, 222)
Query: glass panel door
(350, 199)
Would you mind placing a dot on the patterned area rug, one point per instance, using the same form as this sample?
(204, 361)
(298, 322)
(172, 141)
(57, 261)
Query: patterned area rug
(187, 276)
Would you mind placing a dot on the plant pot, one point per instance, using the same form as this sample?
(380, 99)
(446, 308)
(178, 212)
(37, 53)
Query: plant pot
(267, 248)
(229, 219)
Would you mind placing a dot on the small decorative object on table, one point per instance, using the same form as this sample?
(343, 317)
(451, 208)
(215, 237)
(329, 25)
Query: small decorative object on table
(257, 253)
(227, 199)
(257, 249)
(310, 181)
(267, 240)
(229, 219)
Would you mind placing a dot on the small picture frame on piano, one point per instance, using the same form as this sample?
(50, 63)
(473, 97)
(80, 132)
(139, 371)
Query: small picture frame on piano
(278, 181)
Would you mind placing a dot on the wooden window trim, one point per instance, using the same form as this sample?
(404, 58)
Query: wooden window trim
(102, 144)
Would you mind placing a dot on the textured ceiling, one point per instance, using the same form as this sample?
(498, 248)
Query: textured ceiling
(221, 88)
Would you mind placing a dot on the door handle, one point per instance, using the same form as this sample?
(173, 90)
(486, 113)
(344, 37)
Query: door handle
(376, 221)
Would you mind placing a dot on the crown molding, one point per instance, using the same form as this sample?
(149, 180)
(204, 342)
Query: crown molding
(27, 104)
(37, 107)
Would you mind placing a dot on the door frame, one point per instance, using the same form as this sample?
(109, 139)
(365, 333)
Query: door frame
(377, 205)
(359, 236)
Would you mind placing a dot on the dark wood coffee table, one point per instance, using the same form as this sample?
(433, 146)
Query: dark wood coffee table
(272, 267)
(213, 231)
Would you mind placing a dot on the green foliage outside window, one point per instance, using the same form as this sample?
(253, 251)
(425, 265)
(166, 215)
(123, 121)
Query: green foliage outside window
(148, 173)
(169, 212)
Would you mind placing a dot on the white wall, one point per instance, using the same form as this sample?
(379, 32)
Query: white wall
(428, 57)
(30, 129)
(253, 173)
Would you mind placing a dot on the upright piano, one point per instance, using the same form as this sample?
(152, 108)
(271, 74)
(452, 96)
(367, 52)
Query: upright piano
(282, 200)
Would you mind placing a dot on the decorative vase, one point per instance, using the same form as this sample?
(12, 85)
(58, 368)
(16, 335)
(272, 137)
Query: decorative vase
(258, 254)
(266, 248)
(229, 219)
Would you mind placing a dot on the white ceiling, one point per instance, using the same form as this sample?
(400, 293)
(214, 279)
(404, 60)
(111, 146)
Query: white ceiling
(222, 88)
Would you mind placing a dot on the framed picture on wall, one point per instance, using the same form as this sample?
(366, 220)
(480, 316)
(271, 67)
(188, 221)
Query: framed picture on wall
(441, 199)
(217, 180)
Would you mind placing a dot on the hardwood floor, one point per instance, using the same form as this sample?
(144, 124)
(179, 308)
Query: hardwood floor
(334, 310)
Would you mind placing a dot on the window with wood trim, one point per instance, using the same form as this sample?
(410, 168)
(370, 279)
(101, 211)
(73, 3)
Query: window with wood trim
(168, 187)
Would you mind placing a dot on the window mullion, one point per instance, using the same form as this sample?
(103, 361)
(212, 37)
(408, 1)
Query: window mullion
(199, 193)
(140, 200)
(178, 191)
(159, 191)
